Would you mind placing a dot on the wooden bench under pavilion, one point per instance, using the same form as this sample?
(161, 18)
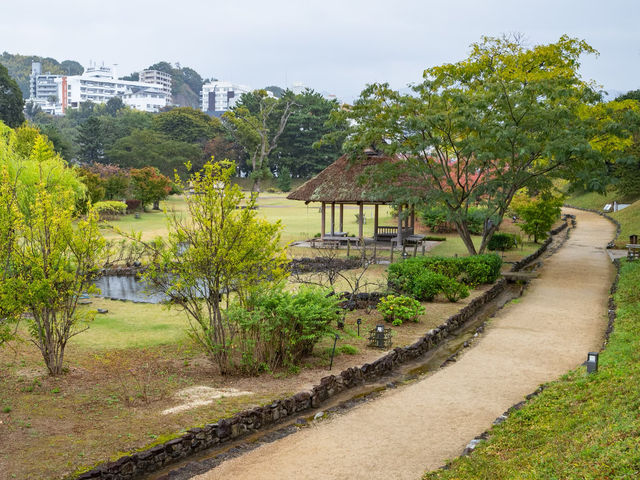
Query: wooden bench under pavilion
(338, 185)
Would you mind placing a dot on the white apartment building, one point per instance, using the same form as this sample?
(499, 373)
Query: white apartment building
(97, 85)
(157, 77)
(218, 97)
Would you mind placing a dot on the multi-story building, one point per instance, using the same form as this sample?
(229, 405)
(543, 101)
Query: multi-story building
(56, 93)
(44, 90)
(218, 97)
(157, 77)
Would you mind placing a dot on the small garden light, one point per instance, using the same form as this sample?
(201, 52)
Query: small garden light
(359, 321)
(592, 362)
(380, 335)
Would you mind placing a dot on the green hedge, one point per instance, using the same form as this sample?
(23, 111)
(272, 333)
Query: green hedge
(425, 277)
(502, 241)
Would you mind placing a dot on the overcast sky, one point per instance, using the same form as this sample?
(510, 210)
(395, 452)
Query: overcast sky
(333, 46)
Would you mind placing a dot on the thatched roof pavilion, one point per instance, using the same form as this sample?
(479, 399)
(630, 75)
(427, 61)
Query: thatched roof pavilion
(338, 185)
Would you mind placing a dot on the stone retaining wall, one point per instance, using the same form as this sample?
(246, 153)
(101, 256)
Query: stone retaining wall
(248, 421)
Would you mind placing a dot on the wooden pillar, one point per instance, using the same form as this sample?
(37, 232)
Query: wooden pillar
(342, 217)
(322, 219)
(360, 221)
(413, 220)
(399, 237)
(333, 218)
(375, 222)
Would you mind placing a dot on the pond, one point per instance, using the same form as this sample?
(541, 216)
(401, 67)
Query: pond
(126, 287)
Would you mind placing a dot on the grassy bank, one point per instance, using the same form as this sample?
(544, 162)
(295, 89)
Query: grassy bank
(582, 426)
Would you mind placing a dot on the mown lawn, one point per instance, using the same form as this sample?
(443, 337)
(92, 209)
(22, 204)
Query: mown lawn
(582, 426)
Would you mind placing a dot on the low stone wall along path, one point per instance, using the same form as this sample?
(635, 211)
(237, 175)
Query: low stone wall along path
(414, 428)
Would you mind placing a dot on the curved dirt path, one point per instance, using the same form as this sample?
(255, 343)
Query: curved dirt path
(416, 428)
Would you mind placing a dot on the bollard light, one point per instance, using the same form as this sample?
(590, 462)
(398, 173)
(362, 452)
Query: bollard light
(359, 321)
(592, 362)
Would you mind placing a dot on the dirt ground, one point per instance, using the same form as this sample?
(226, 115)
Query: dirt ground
(417, 427)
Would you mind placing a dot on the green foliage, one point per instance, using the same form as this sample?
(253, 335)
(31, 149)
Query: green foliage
(278, 328)
(425, 277)
(256, 123)
(110, 208)
(227, 248)
(149, 186)
(91, 141)
(537, 214)
(438, 219)
(19, 67)
(186, 124)
(48, 255)
(148, 148)
(476, 131)
(453, 290)
(11, 103)
(502, 241)
(284, 179)
(399, 309)
(348, 349)
(299, 147)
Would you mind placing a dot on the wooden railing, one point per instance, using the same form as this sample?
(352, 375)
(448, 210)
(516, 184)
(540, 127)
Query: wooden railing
(385, 231)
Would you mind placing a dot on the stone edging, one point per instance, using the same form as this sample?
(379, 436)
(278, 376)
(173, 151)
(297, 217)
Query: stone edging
(251, 420)
(611, 313)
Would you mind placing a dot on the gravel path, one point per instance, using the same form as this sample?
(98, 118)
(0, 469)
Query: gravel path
(417, 427)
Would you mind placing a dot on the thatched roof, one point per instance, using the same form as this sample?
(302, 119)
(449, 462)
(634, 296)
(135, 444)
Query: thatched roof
(339, 183)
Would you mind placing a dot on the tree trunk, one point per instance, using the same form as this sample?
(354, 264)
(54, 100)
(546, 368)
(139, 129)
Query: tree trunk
(465, 235)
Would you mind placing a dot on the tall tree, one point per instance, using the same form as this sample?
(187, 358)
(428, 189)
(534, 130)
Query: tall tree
(186, 124)
(149, 186)
(228, 249)
(148, 148)
(11, 102)
(300, 148)
(91, 141)
(476, 131)
(258, 132)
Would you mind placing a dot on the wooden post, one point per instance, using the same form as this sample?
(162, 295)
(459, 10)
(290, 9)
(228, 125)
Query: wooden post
(342, 217)
(360, 221)
(333, 218)
(374, 251)
(391, 258)
(322, 220)
(413, 220)
(423, 249)
(399, 237)
(375, 222)
(415, 250)
(348, 247)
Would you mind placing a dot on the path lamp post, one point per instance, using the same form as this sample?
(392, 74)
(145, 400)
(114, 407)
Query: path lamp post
(359, 321)
(592, 362)
(335, 340)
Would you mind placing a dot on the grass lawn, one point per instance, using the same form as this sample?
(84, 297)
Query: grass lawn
(126, 370)
(582, 426)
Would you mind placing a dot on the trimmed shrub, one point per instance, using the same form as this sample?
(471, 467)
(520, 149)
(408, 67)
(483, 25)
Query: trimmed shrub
(133, 205)
(454, 290)
(426, 285)
(110, 208)
(399, 309)
(423, 277)
(502, 241)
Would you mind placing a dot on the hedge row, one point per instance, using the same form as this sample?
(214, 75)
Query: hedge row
(425, 277)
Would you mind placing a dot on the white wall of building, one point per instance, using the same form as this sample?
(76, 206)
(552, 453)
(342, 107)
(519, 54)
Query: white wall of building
(218, 97)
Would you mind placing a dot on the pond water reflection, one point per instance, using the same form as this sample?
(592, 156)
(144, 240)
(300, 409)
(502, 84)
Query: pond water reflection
(127, 287)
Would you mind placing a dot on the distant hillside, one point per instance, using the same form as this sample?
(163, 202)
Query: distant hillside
(19, 67)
